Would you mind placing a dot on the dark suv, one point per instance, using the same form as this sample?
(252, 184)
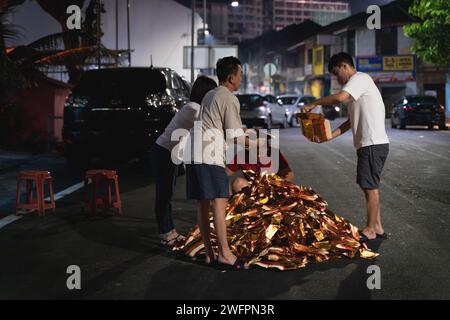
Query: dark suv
(117, 114)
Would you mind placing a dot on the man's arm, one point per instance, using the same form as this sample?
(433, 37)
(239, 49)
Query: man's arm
(325, 101)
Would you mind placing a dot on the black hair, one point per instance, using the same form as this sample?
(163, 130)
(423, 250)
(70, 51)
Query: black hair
(338, 59)
(227, 66)
(200, 87)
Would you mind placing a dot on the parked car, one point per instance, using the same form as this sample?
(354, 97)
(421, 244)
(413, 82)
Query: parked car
(293, 103)
(264, 111)
(418, 110)
(119, 113)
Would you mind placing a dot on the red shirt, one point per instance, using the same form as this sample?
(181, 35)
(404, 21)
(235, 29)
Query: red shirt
(282, 164)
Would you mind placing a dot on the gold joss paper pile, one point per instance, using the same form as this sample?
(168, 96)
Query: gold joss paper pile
(277, 224)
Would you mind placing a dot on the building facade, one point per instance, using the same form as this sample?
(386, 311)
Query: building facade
(251, 18)
(287, 12)
(385, 54)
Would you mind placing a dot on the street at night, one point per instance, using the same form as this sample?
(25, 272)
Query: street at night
(218, 158)
(120, 256)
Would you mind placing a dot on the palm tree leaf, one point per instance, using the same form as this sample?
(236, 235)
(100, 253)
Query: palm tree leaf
(62, 40)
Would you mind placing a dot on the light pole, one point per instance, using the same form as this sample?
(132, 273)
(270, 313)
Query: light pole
(99, 4)
(117, 31)
(192, 41)
(128, 33)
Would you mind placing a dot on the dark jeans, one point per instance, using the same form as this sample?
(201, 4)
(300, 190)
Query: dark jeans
(165, 173)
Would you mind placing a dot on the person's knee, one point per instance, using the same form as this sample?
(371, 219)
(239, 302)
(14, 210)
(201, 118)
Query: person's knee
(238, 184)
(370, 192)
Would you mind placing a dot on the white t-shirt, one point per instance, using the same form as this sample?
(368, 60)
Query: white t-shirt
(366, 111)
(183, 119)
(219, 119)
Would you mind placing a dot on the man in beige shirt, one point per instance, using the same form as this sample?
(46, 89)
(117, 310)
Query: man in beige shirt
(206, 178)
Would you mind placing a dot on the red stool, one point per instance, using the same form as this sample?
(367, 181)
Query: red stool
(95, 201)
(39, 204)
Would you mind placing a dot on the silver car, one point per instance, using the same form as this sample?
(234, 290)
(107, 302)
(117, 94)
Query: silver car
(263, 111)
(293, 103)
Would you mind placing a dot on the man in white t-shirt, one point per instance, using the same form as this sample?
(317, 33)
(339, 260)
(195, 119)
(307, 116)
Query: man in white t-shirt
(366, 118)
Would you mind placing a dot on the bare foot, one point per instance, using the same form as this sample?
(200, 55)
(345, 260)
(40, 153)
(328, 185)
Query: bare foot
(369, 233)
(227, 259)
(379, 230)
(233, 261)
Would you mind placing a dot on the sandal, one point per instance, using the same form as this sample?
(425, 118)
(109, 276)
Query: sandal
(171, 242)
(363, 237)
(382, 236)
(237, 265)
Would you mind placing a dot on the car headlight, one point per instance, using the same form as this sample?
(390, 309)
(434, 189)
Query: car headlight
(262, 109)
(76, 101)
(160, 99)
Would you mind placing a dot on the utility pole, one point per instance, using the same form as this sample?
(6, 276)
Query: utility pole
(117, 31)
(128, 33)
(204, 20)
(192, 41)
(99, 5)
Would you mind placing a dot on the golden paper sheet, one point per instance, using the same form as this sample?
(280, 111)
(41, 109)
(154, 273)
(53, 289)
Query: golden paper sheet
(268, 229)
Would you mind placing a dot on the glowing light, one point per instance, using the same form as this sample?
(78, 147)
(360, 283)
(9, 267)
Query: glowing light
(235, 4)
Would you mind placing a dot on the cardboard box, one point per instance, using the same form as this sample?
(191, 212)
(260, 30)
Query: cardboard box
(314, 124)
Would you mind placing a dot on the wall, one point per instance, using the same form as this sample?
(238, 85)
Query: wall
(158, 27)
(404, 43)
(365, 42)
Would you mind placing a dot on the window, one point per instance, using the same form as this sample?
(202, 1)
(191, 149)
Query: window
(309, 56)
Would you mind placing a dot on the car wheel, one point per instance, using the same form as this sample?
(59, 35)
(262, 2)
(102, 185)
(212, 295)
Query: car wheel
(292, 122)
(392, 124)
(285, 123)
(402, 125)
(268, 125)
(430, 127)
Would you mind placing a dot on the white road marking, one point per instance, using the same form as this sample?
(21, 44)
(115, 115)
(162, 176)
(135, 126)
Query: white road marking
(8, 219)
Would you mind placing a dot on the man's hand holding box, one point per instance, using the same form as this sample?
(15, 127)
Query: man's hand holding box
(315, 127)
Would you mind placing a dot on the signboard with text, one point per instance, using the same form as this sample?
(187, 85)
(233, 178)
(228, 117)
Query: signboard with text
(399, 68)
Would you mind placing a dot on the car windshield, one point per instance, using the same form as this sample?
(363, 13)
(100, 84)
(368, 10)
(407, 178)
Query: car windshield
(126, 85)
(288, 100)
(249, 100)
(415, 100)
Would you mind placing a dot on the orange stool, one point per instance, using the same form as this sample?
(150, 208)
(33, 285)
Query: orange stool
(95, 201)
(39, 204)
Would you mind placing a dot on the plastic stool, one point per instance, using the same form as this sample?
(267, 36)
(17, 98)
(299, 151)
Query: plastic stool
(39, 204)
(94, 200)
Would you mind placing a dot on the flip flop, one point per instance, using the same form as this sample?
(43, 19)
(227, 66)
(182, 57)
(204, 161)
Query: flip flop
(382, 236)
(363, 237)
(237, 265)
(171, 242)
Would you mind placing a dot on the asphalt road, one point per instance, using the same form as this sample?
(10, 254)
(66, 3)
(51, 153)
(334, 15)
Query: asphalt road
(119, 257)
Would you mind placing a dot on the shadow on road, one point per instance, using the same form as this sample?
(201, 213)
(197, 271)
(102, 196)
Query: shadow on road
(355, 285)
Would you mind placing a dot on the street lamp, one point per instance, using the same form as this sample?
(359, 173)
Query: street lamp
(235, 4)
